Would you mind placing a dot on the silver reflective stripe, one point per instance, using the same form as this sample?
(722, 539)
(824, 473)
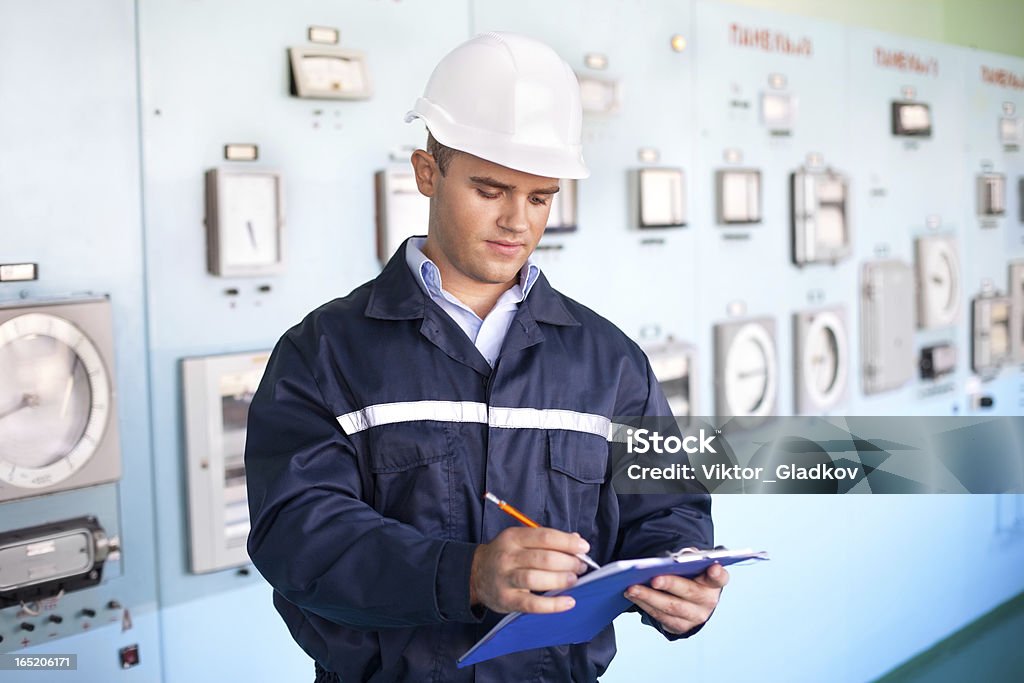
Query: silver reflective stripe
(469, 411)
(535, 418)
(619, 433)
(409, 411)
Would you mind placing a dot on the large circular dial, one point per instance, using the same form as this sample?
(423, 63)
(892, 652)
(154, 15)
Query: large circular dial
(54, 400)
(750, 372)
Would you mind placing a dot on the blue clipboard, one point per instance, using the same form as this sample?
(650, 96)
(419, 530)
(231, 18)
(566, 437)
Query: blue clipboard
(599, 599)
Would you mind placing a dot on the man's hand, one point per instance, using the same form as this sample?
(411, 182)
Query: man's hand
(680, 604)
(520, 560)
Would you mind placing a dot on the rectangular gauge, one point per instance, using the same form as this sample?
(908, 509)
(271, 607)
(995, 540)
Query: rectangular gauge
(887, 325)
(1011, 130)
(1016, 293)
(913, 119)
(51, 559)
(991, 194)
(738, 195)
(217, 393)
(990, 334)
(778, 110)
(599, 95)
(673, 363)
(401, 210)
(821, 230)
(333, 73)
(562, 217)
(662, 197)
(244, 222)
(937, 360)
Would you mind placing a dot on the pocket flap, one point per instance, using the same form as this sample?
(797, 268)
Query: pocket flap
(402, 446)
(582, 456)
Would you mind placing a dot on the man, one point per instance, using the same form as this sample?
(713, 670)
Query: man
(384, 416)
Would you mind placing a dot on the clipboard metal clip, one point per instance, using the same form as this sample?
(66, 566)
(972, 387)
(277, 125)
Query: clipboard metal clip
(690, 553)
(684, 553)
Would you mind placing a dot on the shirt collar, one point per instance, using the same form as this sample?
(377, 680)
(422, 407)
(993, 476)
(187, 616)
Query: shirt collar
(428, 276)
(396, 295)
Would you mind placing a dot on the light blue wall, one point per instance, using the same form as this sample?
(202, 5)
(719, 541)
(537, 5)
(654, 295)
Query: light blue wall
(70, 201)
(102, 183)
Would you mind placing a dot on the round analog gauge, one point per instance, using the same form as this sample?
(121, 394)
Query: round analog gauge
(750, 372)
(824, 359)
(54, 401)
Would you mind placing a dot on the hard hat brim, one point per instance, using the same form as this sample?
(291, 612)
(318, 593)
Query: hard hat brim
(565, 163)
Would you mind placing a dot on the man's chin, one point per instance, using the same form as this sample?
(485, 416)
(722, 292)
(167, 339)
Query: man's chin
(505, 276)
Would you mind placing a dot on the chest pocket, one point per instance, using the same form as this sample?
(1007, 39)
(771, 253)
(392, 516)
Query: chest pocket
(578, 464)
(412, 467)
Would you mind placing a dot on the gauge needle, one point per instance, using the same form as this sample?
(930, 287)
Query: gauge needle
(75, 360)
(252, 234)
(67, 396)
(27, 401)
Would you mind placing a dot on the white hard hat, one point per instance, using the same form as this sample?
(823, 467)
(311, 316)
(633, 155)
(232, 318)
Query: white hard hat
(509, 99)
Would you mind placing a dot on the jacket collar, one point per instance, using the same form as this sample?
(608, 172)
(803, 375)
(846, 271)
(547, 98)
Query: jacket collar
(396, 296)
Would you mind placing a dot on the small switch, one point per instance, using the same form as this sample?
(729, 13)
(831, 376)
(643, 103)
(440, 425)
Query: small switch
(113, 604)
(26, 626)
(88, 612)
(129, 656)
(55, 619)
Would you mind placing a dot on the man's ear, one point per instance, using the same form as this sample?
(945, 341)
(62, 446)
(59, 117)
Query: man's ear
(427, 172)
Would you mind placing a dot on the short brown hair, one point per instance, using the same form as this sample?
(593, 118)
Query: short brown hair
(442, 155)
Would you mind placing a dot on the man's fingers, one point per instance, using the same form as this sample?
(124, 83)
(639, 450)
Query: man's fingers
(670, 623)
(541, 605)
(663, 606)
(520, 560)
(715, 577)
(540, 580)
(690, 590)
(679, 586)
(553, 539)
(551, 560)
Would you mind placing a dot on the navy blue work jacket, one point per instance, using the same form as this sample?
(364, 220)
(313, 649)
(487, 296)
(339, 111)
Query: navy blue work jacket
(374, 434)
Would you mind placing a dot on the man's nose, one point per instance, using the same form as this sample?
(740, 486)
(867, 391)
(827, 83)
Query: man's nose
(514, 215)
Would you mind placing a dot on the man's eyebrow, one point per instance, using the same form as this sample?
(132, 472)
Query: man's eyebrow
(491, 182)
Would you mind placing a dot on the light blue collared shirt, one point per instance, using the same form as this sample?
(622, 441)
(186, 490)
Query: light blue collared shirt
(488, 333)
